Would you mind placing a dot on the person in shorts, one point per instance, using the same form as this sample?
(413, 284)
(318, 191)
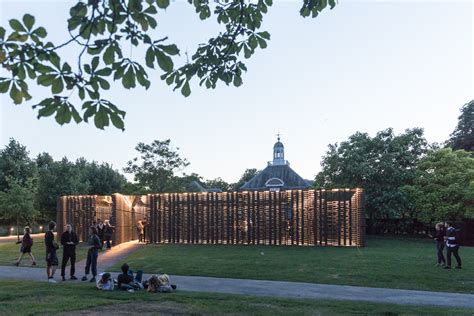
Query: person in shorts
(51, 256)
(26, 244)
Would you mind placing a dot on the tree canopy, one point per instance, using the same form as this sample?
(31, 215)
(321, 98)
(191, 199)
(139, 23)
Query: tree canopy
(463, 135)
(444, 186)
(101, 28)
(380, 165)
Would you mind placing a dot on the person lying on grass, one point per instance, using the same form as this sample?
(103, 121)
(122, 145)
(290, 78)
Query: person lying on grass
(159, 283)
(105, 282)
(126, 281)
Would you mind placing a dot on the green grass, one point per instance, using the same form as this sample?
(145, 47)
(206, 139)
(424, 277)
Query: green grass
(30, 298)
(404, 263)
(9, 252)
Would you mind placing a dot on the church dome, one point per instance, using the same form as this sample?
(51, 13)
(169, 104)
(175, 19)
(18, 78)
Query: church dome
(278, 144)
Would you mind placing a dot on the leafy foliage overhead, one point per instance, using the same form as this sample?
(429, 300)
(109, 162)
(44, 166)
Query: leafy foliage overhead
(101, 29)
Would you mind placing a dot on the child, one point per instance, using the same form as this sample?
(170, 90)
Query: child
(26, 244)
(160, 283)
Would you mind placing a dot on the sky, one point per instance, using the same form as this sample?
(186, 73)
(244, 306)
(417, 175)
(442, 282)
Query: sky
(363, 66)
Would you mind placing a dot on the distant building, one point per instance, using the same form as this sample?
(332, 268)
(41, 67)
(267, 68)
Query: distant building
(277, 175)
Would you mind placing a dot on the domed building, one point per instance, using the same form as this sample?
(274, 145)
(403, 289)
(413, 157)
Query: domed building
(277, 175)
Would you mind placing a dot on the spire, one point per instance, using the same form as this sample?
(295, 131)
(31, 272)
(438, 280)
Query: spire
(278, 152)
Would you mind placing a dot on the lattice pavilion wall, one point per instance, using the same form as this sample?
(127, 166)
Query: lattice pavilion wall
(298, 217)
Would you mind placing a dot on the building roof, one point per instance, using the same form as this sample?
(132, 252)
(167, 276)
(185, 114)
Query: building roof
(281, 176)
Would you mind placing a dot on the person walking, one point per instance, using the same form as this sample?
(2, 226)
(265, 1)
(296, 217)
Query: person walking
(92, 254)
(108, 232)
(452, 245)
(439, 238)
(51, 256)
(100, 232)
(26, 244)
(69, 241)
(140, 231)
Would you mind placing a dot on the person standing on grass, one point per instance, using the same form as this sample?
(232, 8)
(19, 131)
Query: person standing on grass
(440, 234)
(26, 244)
(452, 245)
(140, 231)
(51, 256)
(92, 254)
(69, 241)
(108, 232)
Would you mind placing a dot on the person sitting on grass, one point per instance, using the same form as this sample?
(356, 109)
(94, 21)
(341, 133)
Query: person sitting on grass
(92, 254)
(105, 283)
(26, 244)
(126, 281)
(159, 283)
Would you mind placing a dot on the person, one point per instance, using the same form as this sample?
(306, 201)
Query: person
(92, 254)
(439, 238)
(160, 283)
(69, 241)
(51, 256)
(126, 281)
(105, 283)
(140, 231)
(26, 244)
(452, 245)
(100, 232)
(108, 232)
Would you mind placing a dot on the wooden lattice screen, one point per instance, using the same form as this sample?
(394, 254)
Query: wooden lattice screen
(299, 217)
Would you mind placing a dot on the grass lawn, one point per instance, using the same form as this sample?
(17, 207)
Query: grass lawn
(9, 252)
(29, 298)
(404, 263)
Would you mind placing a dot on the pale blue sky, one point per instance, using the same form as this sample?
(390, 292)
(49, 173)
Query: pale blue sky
(364, 66)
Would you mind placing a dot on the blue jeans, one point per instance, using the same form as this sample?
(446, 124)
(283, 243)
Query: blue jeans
(92, 260)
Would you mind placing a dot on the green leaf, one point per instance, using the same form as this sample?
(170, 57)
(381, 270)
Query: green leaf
(57, 86)
(101, 118)
(128, 80)
(169, 49)
(265, 35)
(47, 110)
(95, 63)
(109, 55)
(4, 86)
(269, 2)
(16, 94)
(165, 62)
(262, 43)
(75, 115)
(163, 4)
(237, 81)
(150, 57)
(17, 26)
(2, 33)
(186, 90)
(63, 115)
(28, 20)
(117, 121)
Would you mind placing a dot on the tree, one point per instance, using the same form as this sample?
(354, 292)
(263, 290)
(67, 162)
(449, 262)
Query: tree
(15, 164)
(463, 135)
(218, 183)
(17, 202)
(380, 165)
(246, 176)
(155, 168)
(444, 186)
(100, 28)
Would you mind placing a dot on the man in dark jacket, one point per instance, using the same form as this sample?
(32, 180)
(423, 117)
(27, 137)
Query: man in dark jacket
(69, 241)
(452, 245)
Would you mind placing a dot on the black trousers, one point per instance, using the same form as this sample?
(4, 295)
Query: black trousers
(440, 248)
(453, 251)
(68, 255)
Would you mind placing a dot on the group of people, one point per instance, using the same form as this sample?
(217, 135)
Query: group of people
(131, 282)
(447, 236)
(105, 231)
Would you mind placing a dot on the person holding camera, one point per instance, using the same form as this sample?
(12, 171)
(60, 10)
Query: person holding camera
(51, 256)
